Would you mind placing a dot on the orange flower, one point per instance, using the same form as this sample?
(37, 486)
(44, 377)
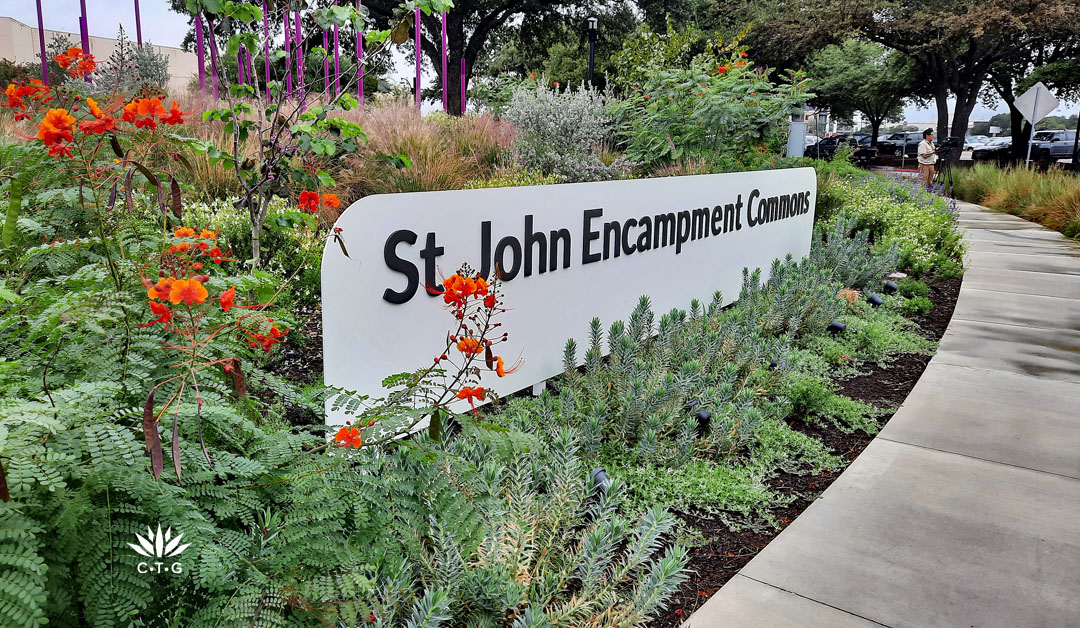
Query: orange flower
(500, 367)
(131, 111)
(469, 346)
(63, 60)
(722, 69)
(349, 437)
(163, 312)
(56, 126)
(532, 74)
(206, 234)
(308, 201)
(481, 286)
(190, 291)
(184, 232)
(226, 298)
(331, 200)
(97, 127)
(94, 109)
(161, 290)
(741, 63)
(86, 66)
(179, 248)
(472, 394)
(489, 301)
(175, 116)
(556, 83)
(743, 54)
(150, 107)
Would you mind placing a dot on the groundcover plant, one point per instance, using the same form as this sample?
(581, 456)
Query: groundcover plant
(163, 457)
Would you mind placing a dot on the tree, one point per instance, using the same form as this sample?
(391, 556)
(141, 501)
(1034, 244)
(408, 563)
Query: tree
(956, 43)
(470, 26)
(865, 77)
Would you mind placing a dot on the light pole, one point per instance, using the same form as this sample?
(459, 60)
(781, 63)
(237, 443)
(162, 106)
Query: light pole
(593, 23)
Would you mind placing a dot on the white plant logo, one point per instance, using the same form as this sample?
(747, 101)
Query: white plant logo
(159, 545)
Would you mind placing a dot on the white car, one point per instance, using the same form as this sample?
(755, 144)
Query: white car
(812, 139)
(972, 142)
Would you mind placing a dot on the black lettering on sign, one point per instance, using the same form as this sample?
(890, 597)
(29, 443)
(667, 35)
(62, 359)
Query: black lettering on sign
(396, 264)
(588, 235)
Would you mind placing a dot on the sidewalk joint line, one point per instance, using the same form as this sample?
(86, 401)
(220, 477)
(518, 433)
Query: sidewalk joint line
(805, 597)
(987, 460)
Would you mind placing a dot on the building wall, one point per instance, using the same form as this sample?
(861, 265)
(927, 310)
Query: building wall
(19, 43)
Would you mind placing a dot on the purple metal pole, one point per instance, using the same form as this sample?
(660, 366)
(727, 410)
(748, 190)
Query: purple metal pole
(266, 48)
(418, 59)
(299, 56)
(138, 24)
(360, 64)
(240, 66)
(41, 40)
(213, 56)
(337, 70)
(326, 62)
(445, 75)
(288, 56)
(463, 86)
(200, 51)
(84, 29)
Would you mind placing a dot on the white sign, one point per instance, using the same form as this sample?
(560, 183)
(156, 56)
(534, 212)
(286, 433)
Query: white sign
(1036, 103)
(567, 253)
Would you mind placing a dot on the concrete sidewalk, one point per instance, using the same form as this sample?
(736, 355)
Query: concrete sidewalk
(965, 511)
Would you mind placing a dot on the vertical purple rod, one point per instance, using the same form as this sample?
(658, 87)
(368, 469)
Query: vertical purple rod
(418, 60)
(359, 64)
(288, 56)
(41, 40)
(326, 62)
(199, 50)
(299, 57)
(240, 67)
(213, 56)
(84, 29)
(266, 48)
(463, 84)
(138, 24)
(337, 69)
(445, 75)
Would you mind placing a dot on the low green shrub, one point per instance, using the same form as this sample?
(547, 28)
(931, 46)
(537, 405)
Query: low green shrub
(1052, 199)
(916, 306)
(910, 288)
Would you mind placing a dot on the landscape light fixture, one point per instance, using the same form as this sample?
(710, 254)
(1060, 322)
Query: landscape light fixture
(874, 300)
(836, 327)
(890, 287)
(773, 364)
(599, 481)
(704, 418)
(691, 405)
(593, 28)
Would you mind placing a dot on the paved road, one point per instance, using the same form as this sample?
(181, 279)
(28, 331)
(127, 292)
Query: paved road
(965, 511)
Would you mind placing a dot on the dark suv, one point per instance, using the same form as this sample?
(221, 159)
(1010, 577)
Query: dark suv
(901, 143)
(862, 153)
(1048, 145)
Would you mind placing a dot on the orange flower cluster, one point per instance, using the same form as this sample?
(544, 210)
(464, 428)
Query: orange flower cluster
(265, 341)
(145, 113)
(77, 63)
(309, 201)
(458, 289)
(722, 69)
(55, 132)
(191, 290)
(16, 93)
(100, 124)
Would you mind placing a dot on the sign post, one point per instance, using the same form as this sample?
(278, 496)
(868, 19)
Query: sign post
(565, 253)
(1035, 104)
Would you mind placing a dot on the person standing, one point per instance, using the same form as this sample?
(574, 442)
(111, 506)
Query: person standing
(927, 158)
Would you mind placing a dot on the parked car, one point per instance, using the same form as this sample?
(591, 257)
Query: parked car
(997, 149)
(972, 142)
(826, 148)
(1050, 145)
(901, 143)
(812, 139)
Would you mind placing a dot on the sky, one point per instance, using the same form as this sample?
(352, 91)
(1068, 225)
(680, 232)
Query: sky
(162, 26)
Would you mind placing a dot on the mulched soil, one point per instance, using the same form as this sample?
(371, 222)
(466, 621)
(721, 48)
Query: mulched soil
(726, 552)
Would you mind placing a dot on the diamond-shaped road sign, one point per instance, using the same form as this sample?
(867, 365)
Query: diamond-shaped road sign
(1036, 103)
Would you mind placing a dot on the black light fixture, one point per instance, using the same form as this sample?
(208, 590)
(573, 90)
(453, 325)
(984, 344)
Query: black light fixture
(599, 481)
(704, 418)
(691, 405)
(836, 327)
(874, 300)
(774, 364)
(890, 287)
(593, 29)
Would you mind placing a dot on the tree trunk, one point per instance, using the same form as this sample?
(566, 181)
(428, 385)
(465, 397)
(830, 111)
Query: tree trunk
(875, 128)
(941, 99)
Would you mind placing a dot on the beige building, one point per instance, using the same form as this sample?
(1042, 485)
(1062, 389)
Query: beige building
(19, 43)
